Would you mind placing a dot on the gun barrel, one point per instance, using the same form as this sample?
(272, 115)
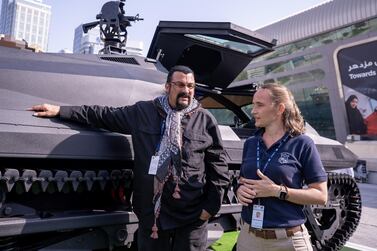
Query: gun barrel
(88, 26)
(134, 18)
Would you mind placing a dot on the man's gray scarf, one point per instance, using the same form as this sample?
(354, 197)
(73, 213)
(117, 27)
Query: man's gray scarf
(171, 142)
(169, 151)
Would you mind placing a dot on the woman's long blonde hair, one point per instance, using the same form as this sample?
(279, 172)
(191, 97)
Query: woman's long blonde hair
(292, 118)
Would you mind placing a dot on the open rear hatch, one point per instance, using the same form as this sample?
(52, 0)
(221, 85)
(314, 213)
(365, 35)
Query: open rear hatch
(216, 51)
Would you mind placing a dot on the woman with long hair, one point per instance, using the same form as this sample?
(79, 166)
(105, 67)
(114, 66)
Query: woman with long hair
(276, 162)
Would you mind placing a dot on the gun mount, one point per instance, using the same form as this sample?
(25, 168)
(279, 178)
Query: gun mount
(113, 26)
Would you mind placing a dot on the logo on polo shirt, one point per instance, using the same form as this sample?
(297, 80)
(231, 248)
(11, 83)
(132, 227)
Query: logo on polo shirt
(284, 158)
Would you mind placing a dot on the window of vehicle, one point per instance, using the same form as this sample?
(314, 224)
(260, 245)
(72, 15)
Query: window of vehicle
(241, 47)
(224, 116)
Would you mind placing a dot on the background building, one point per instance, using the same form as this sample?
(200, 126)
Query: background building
(324, 55)
(90, 42)
(87, 43)
(27, 20)
(65, 50)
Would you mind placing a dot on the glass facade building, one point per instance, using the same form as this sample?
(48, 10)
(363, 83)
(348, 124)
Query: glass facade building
(27, 20)
(304, 59)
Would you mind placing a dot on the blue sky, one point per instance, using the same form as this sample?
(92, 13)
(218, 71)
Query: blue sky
(252, 14)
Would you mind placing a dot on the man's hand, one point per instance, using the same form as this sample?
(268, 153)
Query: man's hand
(45, 110)
(204, 215)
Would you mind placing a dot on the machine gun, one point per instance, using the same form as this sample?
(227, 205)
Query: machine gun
(113, 25)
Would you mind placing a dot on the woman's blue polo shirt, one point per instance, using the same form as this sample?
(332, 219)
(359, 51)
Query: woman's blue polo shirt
(297, 162)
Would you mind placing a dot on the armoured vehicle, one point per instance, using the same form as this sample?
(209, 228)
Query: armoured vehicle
(65, 186)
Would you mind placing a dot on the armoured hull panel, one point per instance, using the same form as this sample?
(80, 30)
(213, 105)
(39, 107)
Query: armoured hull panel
(28, 78)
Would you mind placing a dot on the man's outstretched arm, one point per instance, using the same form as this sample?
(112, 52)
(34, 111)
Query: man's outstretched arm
(115, 119)
(45, 110)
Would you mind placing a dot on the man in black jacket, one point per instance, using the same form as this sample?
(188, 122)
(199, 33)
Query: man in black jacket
(180, 169)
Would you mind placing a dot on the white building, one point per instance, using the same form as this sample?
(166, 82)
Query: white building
(91, 43)
(27, 20)
(87, 43)
(65, 50)
(134, 47)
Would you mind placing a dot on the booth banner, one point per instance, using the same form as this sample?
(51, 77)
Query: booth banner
(358, 73)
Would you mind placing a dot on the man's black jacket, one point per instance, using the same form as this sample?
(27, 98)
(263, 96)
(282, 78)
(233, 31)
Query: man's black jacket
(204, 170)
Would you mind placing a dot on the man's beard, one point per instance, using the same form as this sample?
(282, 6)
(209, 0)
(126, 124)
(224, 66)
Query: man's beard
(180, 106)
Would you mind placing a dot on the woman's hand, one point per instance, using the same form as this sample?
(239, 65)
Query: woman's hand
(260, 188)
(245, 193)
(315, 193)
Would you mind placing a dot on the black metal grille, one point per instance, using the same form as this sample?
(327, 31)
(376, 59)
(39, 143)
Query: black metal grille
(123, 60)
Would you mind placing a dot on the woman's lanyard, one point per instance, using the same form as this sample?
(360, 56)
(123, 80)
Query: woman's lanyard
(271, 156)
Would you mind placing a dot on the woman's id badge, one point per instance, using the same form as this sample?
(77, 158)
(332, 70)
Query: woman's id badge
(257, 218)
(153, 165)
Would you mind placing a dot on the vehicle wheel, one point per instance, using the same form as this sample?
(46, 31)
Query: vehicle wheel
(339, 218)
